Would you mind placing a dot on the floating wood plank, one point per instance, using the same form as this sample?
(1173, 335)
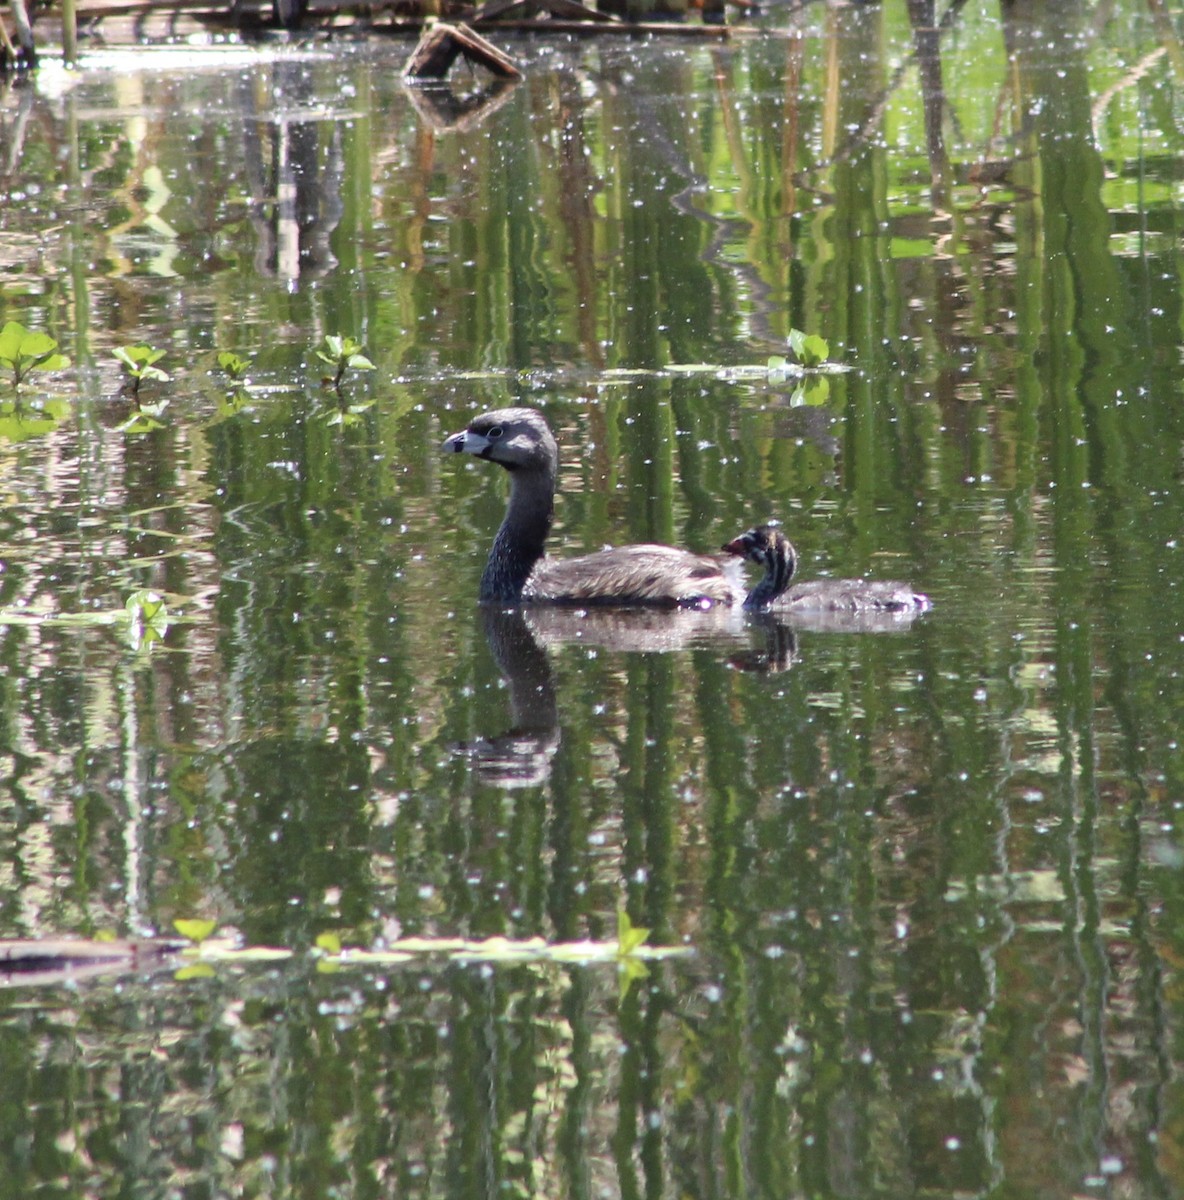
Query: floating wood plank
(136, 22)
(442, 44)
(563, 10)
(29, 963)
(655, 29)
(573, 10)
(37, 954)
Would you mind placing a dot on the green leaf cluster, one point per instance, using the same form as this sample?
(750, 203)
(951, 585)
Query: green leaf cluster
(341, 352)
(233, 365)
(23, 350)
(138, 363)
(808, 348)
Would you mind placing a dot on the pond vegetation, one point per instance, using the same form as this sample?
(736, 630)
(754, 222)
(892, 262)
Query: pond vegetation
(923, 881)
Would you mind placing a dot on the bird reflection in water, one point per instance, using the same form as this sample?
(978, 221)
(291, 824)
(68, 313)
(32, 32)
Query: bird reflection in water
(519, 640)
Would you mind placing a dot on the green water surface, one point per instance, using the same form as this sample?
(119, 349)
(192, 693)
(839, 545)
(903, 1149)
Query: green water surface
(930, 876)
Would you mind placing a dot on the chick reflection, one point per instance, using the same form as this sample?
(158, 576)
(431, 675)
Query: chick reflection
(777, 652)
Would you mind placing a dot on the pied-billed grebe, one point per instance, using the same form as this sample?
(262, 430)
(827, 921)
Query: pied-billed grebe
(517, 570)
(770, 548)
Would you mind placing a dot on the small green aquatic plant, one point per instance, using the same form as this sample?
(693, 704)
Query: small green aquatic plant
(342, 353)
(809, 352)
(25, 350)
(233, 365)
(139, 363)
(148, 618)
(236, 398)
(630, 940)
(808, 348)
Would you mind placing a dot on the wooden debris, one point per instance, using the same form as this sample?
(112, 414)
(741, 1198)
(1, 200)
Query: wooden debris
(138, 22)
(24, 54)
(27, 963)
(447, 112)
(442, 44)
(561, 10)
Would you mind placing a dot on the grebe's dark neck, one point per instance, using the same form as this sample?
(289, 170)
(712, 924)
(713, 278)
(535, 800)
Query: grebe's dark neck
(779, 561)
(523, 534)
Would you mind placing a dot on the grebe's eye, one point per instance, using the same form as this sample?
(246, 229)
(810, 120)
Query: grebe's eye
(495, 432)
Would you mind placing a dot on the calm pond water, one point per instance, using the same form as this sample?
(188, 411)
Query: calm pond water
(931, 878)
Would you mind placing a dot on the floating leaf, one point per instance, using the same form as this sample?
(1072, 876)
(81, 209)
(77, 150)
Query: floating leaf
(140, 423)
(329, 942)
(197, 970)
(779, 368)
(629, 936)
(146, 605)
(809, 349)
(196, 929)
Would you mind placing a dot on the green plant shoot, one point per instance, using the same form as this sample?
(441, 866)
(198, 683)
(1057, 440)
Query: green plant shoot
(343, 353)
(23, 350)
(233, 365)
(138, 364)
(630, 939)
(808, 348)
